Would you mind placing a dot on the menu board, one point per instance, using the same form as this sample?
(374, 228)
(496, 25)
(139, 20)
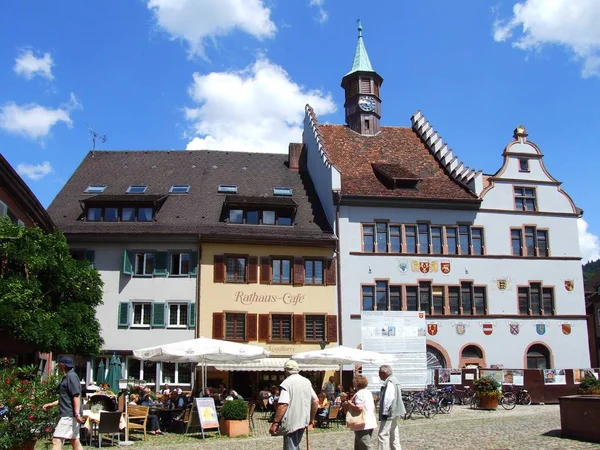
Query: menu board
(401, 334)
(203, 415)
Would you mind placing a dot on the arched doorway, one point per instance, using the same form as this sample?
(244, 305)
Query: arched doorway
(435, 359)
(538, 357)
(472, 355)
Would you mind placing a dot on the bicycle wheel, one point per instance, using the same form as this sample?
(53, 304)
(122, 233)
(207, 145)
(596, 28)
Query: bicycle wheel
(445, 407)
(525, 399)
(410, 407)
(474, 402)
(508, 401)
(467, 399)
(429, 411)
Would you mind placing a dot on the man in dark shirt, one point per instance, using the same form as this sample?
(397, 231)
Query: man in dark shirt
(69, 407)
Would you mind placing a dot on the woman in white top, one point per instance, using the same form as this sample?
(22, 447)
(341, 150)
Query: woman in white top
(363, 401)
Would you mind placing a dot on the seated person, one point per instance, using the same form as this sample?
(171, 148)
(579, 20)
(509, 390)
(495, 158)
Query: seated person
(175, 400)
(265, 393)
(166, 390)
(178, 390)
(147, 401)
(235, 395)
(323, 409)
(153, 424)
(340, 399)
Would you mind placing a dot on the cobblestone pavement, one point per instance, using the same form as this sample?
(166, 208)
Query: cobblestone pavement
(525, 427)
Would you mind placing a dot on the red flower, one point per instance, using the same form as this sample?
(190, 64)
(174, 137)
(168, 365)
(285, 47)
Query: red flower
(8, 381)
(31, 417)
(47, 429)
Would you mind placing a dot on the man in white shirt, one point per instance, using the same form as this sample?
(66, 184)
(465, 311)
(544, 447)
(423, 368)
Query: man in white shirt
(391, 408)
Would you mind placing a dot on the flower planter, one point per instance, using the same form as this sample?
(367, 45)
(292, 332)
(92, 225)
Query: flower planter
(579, 416)
(234, 428)
(488, 402)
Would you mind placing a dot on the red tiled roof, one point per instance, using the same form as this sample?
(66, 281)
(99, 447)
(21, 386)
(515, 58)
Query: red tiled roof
(354, 154)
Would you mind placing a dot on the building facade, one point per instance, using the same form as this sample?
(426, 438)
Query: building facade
(493, 260)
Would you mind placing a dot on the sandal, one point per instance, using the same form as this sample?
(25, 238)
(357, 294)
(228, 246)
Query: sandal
(152, 432)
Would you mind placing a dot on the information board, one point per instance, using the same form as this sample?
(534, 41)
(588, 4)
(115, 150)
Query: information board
(398, 333)
(203, 415)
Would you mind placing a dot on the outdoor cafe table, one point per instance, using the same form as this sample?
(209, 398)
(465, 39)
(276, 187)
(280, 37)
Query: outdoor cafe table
(165, 415)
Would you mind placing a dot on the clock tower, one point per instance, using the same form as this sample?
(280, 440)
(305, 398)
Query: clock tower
(362, 84)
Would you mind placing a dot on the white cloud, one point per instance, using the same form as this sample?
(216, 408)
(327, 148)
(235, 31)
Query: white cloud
(570, 24)
(589, 244)
(35, 121)
(323, 15)
(34, 172)
(29, 65)
(258, 109)
(194, 21)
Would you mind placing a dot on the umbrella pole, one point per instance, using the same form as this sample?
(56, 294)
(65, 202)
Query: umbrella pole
(341, 373)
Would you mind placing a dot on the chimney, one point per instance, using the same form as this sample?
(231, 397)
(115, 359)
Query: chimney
(296, 157)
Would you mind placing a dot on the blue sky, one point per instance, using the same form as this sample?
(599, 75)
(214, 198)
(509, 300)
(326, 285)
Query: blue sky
(235, 75)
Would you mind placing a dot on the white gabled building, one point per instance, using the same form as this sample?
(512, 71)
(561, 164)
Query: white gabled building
(493, 260)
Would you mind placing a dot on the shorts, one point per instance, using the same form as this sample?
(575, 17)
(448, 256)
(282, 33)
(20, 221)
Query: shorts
(67, 428)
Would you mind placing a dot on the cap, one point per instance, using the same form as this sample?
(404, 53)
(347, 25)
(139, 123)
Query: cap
(66, 361)
(291, 365)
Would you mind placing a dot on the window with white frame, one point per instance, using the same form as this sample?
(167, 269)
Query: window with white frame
(144, 264)
(176, 373)
(140, 370)
(180, 264)
(142, 312)
(178, 314)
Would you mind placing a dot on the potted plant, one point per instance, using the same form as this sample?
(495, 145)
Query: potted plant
(22, 394)
(589, 386)
(487, 391)
(234, 418)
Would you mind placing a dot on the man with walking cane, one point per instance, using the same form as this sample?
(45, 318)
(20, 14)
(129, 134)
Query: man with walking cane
(296, 408)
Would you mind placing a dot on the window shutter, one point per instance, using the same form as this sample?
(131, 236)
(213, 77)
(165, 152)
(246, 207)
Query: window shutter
(194, 264)
(90, 255)
(330, 273)
(192, 315)
(123, 315)
(160, 264)
(127, 265)
(263, 327)
(298, 327)
(265, 270)
(332, 334)
(298, 272)
(217, 330)
(253, 269)
(219, 269)
(158, 315)
(251, 331)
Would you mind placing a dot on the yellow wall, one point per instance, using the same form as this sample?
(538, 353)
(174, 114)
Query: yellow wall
(238, 297)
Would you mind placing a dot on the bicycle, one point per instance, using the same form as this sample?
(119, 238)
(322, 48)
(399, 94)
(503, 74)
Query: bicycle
(464, 397)
(508, 400)
(522, 396)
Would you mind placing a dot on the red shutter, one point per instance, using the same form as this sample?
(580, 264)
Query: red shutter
(299, 327)
(218, 325)
(253, 269)
(298, 272)
(251, 331)
(219, 269)
(265, 270)
(330, 273)
(263, 327)
(332, 334)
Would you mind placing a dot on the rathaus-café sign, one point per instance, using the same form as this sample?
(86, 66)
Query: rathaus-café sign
(287, 298)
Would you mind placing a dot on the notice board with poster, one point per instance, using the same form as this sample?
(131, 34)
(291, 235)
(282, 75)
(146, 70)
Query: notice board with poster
(401, 334)
(204, 415)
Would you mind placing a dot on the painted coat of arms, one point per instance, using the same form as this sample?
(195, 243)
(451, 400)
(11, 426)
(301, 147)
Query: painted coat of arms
(566, 329)
(432, 328)
(423, 266)
(403, 266)
(488, 328)
(514, 328)
(460, 328)
(540, 328)
(445, 267)
(569, 285)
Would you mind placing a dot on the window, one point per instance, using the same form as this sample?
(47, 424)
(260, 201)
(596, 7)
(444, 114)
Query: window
(283, 191)
(536, 242)
(425, 297)
(176, 373)
(466, 298)
(525, 199)
(235, 326)
(382, 237)
(128, 215)
(464, 239)
(368, 298)
(538, 357)
(423, 238)
(141, 314)
(523, 165)
(94, 214)
(281, 327)
(282, 271)
(412, 298)
(111, 214)
(542, 242)
(268, 217)
(145, 214)
(144, 264)
(477, 240)
(137, 189)
(395, 298)
(252, 217)
(179, 189)
(381, 290)
(227, 188)
(236, 269)
(180, 264)
(168, 373)
(313, 271)
(236, 216)
(436, 240)
(454, 300)
(314, 328)
(472, 351)
(95, 189)
(284, 218)
(115, 214)
(178, 315)
(395, 239)
(480, 303)
(411, 238)
(516, 237)
(451, 241)
(438, 300)
(368, 238)
(536, 300)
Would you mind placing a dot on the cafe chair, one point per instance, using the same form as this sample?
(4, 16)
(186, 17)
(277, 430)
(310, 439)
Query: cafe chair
(331, 416)
(182, 421)
(137, 418)
(109, 424)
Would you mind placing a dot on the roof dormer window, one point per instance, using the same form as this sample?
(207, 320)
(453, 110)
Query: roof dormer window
(227, 188)
(283, 191)
(137, 188)
(95, 189)
(179, 189)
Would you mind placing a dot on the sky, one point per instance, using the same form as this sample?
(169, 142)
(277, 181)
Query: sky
(236, 74)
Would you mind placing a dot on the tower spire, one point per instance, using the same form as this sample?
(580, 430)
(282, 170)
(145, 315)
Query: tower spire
(361, 62)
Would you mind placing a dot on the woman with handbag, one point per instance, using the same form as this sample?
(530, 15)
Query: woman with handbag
(360, 417)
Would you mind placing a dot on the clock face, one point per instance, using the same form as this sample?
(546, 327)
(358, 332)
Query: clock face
(366, 103)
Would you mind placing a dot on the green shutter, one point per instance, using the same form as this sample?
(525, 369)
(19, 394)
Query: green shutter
(192, 316)
(161, 267)
(90, 255)
(158, 315)
(193, 264)
(123, 315)
(127, 265)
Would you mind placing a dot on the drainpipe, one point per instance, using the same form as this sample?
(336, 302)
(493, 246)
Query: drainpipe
(339, 269)
(198, 273)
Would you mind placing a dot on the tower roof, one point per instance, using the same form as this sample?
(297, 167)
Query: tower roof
(361, 61)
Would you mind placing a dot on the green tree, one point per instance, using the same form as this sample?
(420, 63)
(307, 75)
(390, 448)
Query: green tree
(47, 298)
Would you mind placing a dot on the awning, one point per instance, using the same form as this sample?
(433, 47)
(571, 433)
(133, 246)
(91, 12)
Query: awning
(272, 364)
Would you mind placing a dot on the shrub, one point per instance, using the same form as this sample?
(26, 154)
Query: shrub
(487, 387)
(589, 385)
(234, 410)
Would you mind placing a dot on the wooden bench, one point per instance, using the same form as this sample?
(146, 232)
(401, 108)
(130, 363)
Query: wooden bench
(137, 417)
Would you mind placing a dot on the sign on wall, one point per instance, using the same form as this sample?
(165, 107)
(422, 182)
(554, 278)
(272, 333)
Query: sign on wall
(399, 333)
